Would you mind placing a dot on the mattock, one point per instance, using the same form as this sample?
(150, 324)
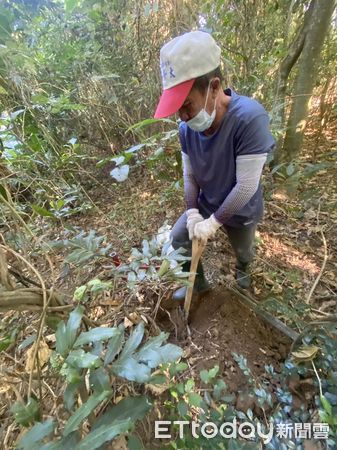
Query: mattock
(197, 249)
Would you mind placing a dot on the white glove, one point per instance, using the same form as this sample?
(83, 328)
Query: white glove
(193, 217)
(207, 228)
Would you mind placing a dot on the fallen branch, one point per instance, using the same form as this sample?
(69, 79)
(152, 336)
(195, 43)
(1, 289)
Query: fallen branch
(321, 271)
(30, 299)
(324, 262)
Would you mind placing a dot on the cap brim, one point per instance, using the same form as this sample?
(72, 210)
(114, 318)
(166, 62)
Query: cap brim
(172, 99)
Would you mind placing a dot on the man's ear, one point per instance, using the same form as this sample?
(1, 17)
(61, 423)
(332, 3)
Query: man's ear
(215, 86)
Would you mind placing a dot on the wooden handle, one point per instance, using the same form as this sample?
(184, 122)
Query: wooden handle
(197, 249)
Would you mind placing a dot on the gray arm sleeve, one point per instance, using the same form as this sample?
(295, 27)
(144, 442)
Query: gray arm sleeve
(191, 187)
(248, 174)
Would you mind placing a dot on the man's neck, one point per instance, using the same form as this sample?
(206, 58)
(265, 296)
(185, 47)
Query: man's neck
(222, 103)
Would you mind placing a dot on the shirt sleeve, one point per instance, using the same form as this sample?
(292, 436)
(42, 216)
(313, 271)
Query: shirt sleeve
(248, 174)
(254, 137)
(191, 187)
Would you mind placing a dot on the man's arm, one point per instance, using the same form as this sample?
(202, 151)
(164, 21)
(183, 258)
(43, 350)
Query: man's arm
(248, 174)
(191, 191)
(191, 187)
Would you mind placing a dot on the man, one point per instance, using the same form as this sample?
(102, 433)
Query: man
(225, 140)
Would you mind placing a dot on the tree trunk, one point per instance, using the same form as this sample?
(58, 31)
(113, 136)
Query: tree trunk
(286, 66)
(306, 77)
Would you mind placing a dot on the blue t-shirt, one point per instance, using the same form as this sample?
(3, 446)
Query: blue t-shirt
(244, 130)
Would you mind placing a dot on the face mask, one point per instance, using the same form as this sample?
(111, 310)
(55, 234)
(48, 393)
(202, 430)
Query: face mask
(202, 121)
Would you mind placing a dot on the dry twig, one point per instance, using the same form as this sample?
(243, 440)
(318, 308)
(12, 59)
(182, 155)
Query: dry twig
(325, 259)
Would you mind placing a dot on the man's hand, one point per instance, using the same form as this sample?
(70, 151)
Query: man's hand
(193, 217)
(206, 229)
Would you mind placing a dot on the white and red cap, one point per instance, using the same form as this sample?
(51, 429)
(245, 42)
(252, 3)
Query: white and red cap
(182, 60)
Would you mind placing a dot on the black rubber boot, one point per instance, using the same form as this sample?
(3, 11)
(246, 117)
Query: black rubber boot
(242, 275)
(201, 285)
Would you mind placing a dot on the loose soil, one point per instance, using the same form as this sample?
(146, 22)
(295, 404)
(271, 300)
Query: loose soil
(220, 325)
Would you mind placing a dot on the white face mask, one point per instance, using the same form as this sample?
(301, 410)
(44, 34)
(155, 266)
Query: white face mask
(202, 121)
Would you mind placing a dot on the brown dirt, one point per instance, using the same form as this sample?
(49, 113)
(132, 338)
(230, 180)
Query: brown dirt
(221, 324)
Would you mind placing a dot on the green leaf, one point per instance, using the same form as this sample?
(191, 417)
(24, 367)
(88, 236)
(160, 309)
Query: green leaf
(66, 442)
(130, 365)
(80, 293)
(61, 339)
(69, 395)
(134, 148)
(208, 375)
(99, 380)
(96, 285)
(204, 376)
(326, 405)
(72, 374)
(180, 388)
(73, 324)
(40, 99)
(27, 342)
(153, 357)
(189, 386)
(214, 371)
(83, 360)
(103, 434)
(26, 414)
(158, 379)
(79, 256)
(103, 162)
(164, 268)
(83, 412)
(3, 193)
(42, 211)
(182, 408)
(108, 76)
(5, 342)
(134, 443)
(134, 408)
(70, 5)
(115, 345)
(153, 342)
(146, 248)
(290, 169)
(194, 399)
(131, 369)
(66, 334)
(94, 335)
(134, 340)
(35, 435)
(53, 321)
(177, 367)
